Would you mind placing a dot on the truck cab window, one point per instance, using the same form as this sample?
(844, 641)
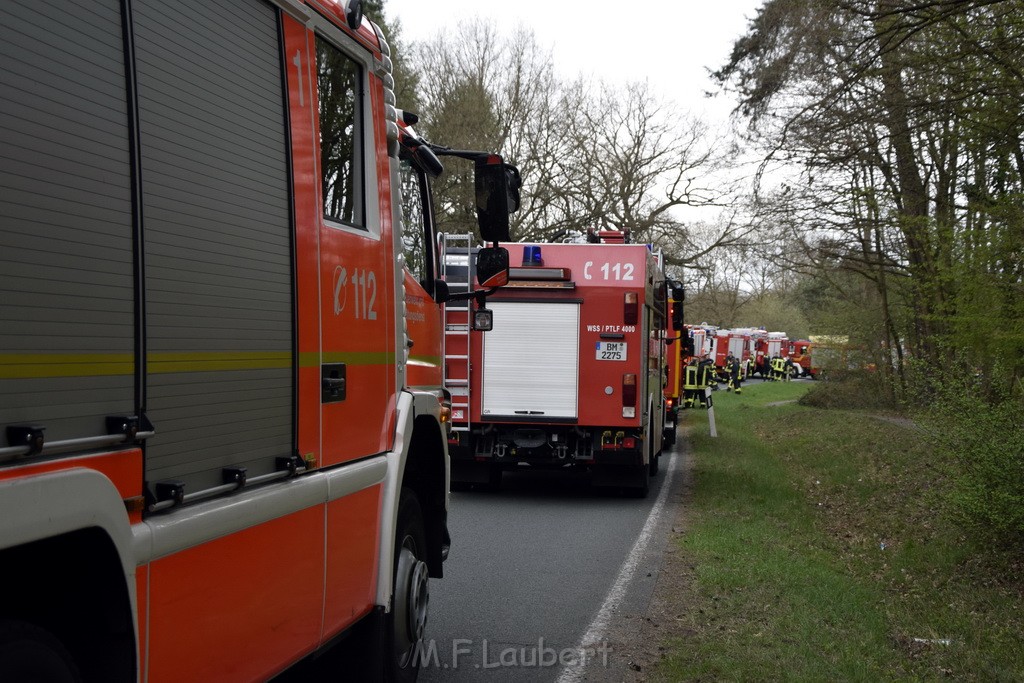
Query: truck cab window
(414, 219)
(340, 84)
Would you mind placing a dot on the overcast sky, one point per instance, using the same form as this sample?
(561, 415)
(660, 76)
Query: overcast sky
(671, 43)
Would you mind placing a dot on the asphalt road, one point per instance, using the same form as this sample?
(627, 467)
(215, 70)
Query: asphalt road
(544, 578)
(539, 569)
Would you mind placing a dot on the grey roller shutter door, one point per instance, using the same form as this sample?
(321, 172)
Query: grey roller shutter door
(218, 238)
(66, 274)
(531, 360)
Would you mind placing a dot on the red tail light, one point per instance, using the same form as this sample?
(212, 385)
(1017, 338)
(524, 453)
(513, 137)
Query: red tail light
(630, 313)
(629, 396)
(628, 390)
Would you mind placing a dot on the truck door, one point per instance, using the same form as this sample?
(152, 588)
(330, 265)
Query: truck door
(357, 337)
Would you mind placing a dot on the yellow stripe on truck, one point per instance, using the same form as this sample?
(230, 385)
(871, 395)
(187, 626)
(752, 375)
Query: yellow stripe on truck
(48, 365)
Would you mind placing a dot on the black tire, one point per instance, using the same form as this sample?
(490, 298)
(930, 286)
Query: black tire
(655, 457)
(30, 654)
(407, 620)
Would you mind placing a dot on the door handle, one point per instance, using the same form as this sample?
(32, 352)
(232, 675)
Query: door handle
(333, 384)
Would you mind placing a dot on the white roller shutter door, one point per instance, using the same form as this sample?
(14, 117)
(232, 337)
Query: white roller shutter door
(531, 360)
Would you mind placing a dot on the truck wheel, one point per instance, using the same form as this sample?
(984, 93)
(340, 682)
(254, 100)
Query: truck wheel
(655, 457)
(408, 617)
(30, 653)
(668, 439)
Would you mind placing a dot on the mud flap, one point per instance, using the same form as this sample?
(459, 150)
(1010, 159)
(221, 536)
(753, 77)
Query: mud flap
(619, 475)
(467, 473)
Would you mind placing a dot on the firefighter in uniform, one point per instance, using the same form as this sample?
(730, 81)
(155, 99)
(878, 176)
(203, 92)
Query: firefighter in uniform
(690, 387)
(696, 378)
(787, 369)
(706, 377)
(734, 369)
(777, 365)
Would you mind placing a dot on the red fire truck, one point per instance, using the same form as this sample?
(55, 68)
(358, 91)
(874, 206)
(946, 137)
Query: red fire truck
(677, 354)
(223, 420)
(758, 359)
(752, 350)
(572, 375)
(709, 347)
(778, 344)
(801, 353)
(698, 344)
(767, 345)
(734, 343)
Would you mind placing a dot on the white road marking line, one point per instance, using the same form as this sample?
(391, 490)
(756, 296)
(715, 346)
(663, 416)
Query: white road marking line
(599, 626)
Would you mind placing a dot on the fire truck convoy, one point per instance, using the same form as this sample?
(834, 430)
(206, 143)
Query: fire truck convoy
(572, 373)
(223, 417)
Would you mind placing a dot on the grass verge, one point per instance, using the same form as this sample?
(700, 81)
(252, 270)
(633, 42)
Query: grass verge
(820, 551)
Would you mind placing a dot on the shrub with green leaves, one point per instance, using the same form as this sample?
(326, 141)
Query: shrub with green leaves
(983, 444)
(851, 389)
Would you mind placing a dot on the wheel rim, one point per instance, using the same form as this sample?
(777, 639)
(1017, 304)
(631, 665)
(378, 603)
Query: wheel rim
(412, 598)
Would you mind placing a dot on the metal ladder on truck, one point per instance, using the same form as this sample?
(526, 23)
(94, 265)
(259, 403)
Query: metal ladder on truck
(457, 270)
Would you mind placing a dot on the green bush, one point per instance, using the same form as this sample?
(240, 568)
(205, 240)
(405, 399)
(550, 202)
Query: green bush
(849, 390)
(982, 442)
(978, 433)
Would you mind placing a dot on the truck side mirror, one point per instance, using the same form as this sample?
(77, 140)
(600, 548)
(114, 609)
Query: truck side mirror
(678, 296)
(442, 293)
(492, 267)
(661, 304)
(497, 196)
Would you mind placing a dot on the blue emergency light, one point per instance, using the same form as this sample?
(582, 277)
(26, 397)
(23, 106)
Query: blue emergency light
(532, 256)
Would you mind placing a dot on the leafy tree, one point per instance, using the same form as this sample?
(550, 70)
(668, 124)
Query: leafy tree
(591, 155)
(910, 178)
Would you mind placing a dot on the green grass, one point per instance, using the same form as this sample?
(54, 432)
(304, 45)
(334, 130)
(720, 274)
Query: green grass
(821, 551)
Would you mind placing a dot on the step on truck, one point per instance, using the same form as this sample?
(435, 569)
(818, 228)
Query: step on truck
(223, 425)
(572, 374)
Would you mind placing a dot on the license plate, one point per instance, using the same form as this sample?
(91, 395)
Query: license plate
(611, 350)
